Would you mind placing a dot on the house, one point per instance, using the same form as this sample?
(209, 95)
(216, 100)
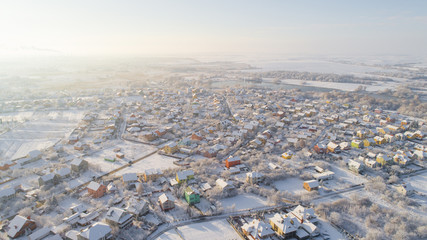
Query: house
(325, 175)
(79, 165)
(344, 146)
(98, 231)
(196, 136)
(356, 144)
(304, 214)
(284, 225)
(257, 229)
(232, 161)
(48, 179)
(63, 172)
(369, 142)
(166, 202)
(40, 234)
(185, 175)
(6, 194)
(405, 189)
(379, 140)
(72, 139)
(288, 154)
(192, 196)
(320, 148)
(171, 148)
(355, 166)
(333, 147)
(254, 177)
(383, 159)
(152, 174)
(96, 190)
(311, 185)
(137, 207)
(400, 159)
(129, 180)
(118, 217)
(225, 186)
(20, 226)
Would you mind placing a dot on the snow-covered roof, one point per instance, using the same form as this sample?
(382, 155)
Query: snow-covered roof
(93, 186)
(77, 161)
(257, 228)
(130, 177)
(254, 175)
(7, 192)
(16, 225)
(48, 177)
(34, 154)
(117, 215)
(223, 184)
(39, 234)
(312, 183)
(96, 231)
(165, 197)
(284, 223)
(184, 174)
(63, 171)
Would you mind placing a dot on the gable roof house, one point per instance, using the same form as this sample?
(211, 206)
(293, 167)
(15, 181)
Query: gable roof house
(257, 229)
(98, 231)
(79, 165)
(118, 217)
(224, 185)
(284, 225)
(48, 179)
(20, 226)
(96, 190)
(232, 161)
(129, 180)
(192, 196)
(137, 207)
(254, 177)
(166, 202)
(185, 175)
(311, 185)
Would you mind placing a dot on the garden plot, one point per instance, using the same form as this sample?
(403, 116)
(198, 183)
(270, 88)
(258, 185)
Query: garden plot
(132, 152)
(217, 229)
(154, 161)
(40, 130)
(243, 201)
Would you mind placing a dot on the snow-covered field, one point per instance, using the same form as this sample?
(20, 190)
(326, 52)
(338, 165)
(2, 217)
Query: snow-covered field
(243, 201)
(292, 185)
(39, 131)
(342, 86)
(132, 152)
(170, 235)
(154, 161)
(217, 229)
(419, 183)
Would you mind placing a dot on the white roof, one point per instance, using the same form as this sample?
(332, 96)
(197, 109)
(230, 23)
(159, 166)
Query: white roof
(97, 231)
(258, 228)
(39, 234)
(34, 154)
(223, 184)
(76, 161)
(130, 177)
(184, 174)
(63, 171)
(7, 192)
(165, 197)
(312, 183)
(254, 175)
(16, 225)
(93, 185)
(48, 177)
(116, 214)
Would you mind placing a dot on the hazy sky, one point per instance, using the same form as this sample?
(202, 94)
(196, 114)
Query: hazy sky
(180, 27)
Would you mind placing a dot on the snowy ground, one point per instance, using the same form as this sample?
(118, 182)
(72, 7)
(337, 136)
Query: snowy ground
(419, 183)
(243, 201)
(154, 161)
(132, 151)
(292, 185)
(217, 229)
(39, 131)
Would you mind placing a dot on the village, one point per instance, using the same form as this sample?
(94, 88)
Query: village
(242, 162)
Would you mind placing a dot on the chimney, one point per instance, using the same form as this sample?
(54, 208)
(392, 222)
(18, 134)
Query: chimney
(28, 217)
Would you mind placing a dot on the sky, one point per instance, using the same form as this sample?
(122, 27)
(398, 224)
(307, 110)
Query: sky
(197, 27)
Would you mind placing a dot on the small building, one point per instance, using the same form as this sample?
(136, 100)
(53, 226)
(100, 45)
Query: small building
(311, 185)
(288, 154)
(183, 176)
(257, 229)
(48, 179)
(225, 186)
(283, 225)
(325, 175)
(383, 159)
(254, 177)
(356, 144)
(20, 226)
(232, 161)
(152, 174)
(129, 180)
(166, 202)
(118, 217)
(171, 148)
(333, 147)
(137, 207)
(96, 190)
(320, 148)
(79, 165)
(98, 231)
(355, 166)
(192, 196)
